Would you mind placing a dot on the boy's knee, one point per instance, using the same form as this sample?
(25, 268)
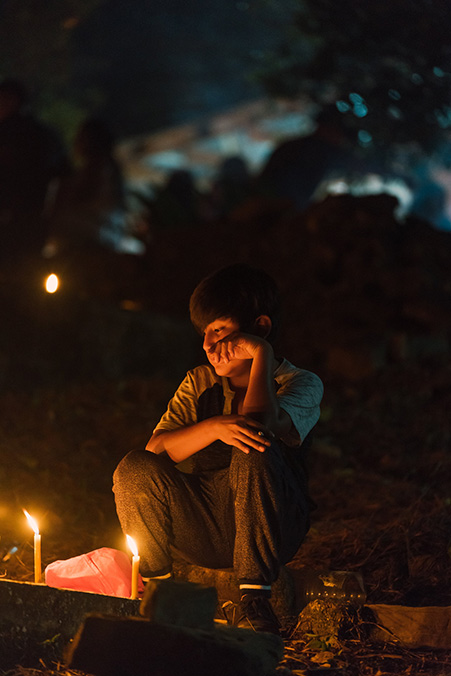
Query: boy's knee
(131, 466)
(140, 469)
(129, 462)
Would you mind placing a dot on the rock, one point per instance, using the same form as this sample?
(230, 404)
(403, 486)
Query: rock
(424, 627)
(326, 619)
(111, 646)
(179, 603)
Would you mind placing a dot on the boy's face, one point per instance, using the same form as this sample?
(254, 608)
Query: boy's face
(215, 332)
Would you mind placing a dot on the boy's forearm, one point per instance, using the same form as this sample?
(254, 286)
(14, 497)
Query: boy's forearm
(261, 400)
(181, 443)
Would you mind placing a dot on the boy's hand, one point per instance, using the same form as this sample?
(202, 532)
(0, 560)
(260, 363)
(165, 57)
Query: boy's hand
(243, 432)
(236, 346)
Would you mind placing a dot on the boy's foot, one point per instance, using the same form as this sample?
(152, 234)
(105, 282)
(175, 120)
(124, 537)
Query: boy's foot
(255, 612)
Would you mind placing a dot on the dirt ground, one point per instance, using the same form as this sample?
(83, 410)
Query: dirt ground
(367, 308)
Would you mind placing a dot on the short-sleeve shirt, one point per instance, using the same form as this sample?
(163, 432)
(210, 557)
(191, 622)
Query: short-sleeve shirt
(203, 394)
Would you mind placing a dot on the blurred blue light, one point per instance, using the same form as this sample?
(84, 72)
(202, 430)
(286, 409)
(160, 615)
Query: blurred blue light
(394, 94)
(416, 78)
(342, 106)
(355, 98)
(438, 72)
(364, 137)
(395, 112)
(443, 117)
(360, 110)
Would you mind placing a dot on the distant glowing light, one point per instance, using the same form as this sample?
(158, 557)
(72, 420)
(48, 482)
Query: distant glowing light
(438, 72)
(443, 117)
(395, 112)
(355, 98)
(360, 110)
(416, 78)
(394, 94)
(365, 138)
(369, 184)
(342, 106)
(51, 283)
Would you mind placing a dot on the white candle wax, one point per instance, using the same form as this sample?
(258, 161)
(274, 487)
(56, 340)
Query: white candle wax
(37, 557)
(135, 573)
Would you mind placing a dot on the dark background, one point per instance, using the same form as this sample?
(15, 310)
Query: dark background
(163, 63)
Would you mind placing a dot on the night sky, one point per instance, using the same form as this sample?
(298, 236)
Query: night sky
(160, 63)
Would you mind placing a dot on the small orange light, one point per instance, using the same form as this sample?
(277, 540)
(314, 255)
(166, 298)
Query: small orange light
(51, 283)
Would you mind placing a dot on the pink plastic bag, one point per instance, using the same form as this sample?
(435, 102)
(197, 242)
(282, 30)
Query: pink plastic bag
(103, 571)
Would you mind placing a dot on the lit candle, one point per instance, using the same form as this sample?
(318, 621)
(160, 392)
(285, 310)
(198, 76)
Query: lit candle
(135, 566)
(37, 546)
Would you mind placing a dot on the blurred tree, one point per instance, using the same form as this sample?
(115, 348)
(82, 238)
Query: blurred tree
(386, 65)
(35, 48)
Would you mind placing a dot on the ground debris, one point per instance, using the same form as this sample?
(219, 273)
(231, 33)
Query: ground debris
(363, 658)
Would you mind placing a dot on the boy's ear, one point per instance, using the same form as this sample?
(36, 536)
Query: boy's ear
(263, 326)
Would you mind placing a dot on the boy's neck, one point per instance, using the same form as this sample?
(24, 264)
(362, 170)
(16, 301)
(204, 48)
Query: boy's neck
(239, 383)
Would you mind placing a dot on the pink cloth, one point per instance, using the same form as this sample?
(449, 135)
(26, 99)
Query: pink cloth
(103, 571)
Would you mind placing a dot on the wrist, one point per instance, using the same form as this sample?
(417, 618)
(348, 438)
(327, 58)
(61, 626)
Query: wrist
(264, 352)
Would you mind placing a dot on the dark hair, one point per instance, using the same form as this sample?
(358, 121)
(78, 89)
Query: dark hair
(238, 291)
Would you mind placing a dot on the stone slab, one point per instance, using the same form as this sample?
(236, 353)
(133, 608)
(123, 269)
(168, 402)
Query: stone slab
(37, 621)
(424, 627)
(110, 646)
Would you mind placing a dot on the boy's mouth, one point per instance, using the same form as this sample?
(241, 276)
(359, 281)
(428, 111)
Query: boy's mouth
(218, 361)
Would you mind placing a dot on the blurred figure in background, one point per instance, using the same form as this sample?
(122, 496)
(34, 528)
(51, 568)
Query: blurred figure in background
(90, 207)
(31, 155)
(297, 166)
(232, 187)
(178, 203)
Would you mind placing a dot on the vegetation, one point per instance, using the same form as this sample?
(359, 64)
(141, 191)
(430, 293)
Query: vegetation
(386, 65)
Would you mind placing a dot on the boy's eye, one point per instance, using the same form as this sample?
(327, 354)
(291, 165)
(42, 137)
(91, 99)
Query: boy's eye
(219, 330)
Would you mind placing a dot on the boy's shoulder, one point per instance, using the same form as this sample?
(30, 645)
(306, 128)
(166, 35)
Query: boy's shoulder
(287, 373)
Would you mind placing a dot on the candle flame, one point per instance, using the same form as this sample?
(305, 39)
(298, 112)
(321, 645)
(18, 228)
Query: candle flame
(132, 545)
(51, 283)
(32, 522)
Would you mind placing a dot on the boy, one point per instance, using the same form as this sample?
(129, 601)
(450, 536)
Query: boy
(241, 421)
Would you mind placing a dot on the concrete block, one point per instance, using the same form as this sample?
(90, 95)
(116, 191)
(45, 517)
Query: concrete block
(37, 621)
(49, 610)
(179, 603)
(110, 646)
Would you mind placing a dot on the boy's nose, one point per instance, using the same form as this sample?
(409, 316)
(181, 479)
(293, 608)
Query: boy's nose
(210, 341)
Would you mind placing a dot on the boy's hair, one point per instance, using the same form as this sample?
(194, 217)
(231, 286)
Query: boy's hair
(238, 291)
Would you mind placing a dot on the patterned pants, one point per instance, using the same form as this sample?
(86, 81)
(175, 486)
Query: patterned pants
(251, 516)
